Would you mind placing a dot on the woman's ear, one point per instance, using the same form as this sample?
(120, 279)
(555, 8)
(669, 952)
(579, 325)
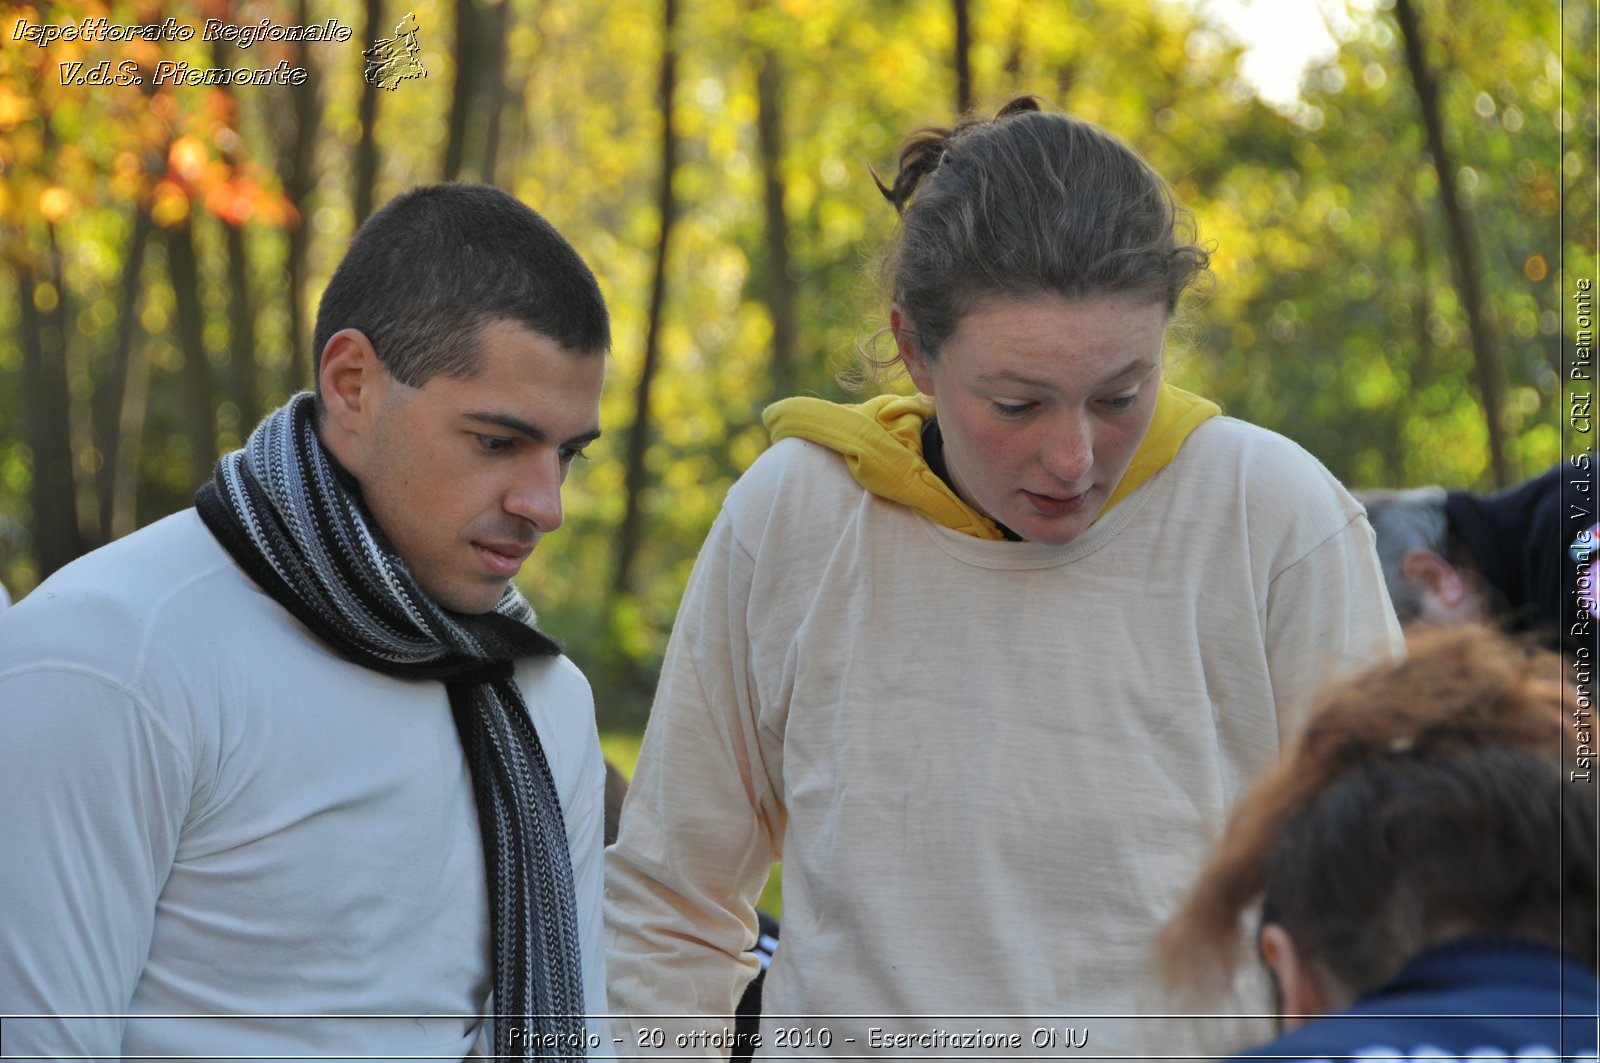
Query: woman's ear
(909, 344)
(1300, 989)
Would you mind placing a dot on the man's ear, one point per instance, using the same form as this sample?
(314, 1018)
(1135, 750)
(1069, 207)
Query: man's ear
(1435, 576)
(909, 344)
(1300, 987)
(352, 383)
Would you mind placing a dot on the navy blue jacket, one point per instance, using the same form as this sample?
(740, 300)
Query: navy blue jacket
(1534, 544)
(1497, 997)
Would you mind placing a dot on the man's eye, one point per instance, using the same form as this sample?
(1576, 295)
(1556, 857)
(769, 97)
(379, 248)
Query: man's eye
(1120, 402)
(568, 453)
(1011, 409)
(496, 444)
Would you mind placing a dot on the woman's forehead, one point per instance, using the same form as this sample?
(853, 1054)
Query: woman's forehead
(1048, 340)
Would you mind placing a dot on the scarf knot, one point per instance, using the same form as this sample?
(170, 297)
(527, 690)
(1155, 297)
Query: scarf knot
(480, 672)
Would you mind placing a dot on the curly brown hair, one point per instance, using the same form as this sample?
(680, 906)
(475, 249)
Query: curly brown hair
(1424, 800)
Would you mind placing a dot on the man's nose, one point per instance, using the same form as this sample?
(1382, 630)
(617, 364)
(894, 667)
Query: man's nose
(535, 495)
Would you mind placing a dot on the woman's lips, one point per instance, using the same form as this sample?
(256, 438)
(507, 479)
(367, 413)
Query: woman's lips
(1056, 506)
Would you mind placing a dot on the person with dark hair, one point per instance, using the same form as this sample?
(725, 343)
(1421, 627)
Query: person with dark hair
(1522, 556)
(1424, 869)
(984, 664)
(293, 773)
(1430, 583)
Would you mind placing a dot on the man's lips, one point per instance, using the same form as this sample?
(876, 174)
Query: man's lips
(503, 559)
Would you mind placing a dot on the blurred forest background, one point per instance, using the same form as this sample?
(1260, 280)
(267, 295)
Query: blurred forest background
(1397, 248)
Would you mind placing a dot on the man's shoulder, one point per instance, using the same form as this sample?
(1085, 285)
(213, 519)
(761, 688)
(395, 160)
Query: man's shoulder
(555, 676)
(560, 705)
(143, 564)
(169, 580)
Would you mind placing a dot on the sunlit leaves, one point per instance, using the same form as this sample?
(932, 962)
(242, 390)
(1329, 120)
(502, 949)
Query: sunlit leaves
(1333, 317)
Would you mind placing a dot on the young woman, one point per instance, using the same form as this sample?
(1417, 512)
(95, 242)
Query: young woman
(1423, 867)
(983, 666)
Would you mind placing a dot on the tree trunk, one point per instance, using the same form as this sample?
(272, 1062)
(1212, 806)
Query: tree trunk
(112, 409)
(79, 410)
(1426, 365)
(519, 138)
(297, 186)
(45, 398)
(1013, 63)
(963, 56)
(639, 435)
(780, 284)
(243, 369)
(124, 468)
(494, 96)
(1463, 245)
(199, 395)
(366, 176)
(461, 100)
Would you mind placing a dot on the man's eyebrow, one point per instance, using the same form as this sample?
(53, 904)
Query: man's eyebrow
(532, 431)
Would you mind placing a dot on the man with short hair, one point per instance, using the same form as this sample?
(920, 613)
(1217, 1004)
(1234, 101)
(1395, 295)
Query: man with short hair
(1520, 556)
(293, 773)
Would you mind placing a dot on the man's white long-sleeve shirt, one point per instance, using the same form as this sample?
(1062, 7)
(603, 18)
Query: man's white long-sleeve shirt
(208, 814)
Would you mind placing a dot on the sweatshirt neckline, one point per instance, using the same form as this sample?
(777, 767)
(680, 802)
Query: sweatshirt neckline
(1001, 554)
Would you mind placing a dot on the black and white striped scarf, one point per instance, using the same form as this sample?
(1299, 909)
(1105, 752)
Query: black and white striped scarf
(294, 521)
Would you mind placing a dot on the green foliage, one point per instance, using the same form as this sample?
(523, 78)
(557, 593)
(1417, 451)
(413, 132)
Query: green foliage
(1334, 317)
(1335, 261)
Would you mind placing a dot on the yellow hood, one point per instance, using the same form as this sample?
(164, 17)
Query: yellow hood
(881, 442)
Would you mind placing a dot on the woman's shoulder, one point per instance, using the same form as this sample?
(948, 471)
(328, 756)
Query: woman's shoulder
(1244, 438)
(1229, 444)
(792, 465)
(1271, 473)
(793, 480)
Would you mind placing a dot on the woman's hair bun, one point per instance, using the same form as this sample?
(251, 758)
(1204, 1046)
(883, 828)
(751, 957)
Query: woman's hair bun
(920, 155)
(926, 149)
(1020, 105)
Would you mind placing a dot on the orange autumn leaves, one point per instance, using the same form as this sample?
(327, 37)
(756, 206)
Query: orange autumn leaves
(173, 150)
